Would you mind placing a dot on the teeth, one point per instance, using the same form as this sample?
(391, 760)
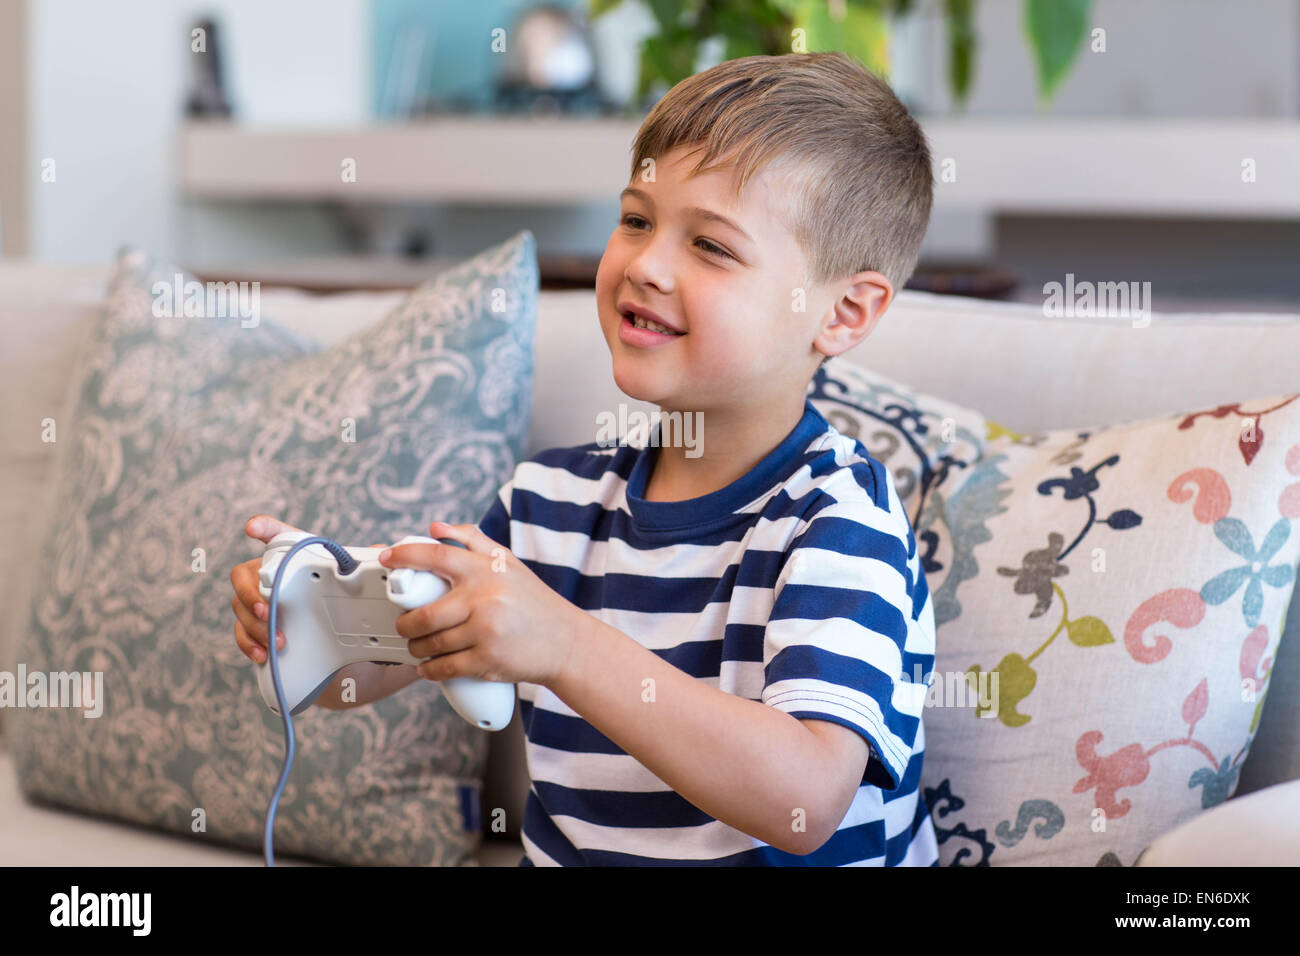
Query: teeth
(642, 323)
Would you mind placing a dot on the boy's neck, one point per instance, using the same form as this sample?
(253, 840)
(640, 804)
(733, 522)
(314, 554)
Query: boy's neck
(734, 440)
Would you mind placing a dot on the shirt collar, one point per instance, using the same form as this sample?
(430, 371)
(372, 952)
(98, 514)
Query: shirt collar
(775, 467)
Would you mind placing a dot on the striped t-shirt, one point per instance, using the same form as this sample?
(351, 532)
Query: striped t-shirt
(798, 585)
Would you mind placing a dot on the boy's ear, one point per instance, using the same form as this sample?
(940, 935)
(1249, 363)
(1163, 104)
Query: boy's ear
(854, 313)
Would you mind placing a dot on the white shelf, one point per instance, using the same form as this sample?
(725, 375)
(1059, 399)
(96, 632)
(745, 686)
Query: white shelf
(451, 160)
(1121, 167)
(1146, 167)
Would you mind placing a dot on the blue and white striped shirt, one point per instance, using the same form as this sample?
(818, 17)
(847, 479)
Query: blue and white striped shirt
(798, 585)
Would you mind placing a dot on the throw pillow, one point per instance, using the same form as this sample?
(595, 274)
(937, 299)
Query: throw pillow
(920, 438)
(1170, 589)
(182, 427)
(1108, 603)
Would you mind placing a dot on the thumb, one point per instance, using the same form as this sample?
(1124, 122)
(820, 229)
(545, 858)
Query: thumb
(265, 527)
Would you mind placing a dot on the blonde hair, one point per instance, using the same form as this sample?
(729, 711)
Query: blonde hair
(861, 183)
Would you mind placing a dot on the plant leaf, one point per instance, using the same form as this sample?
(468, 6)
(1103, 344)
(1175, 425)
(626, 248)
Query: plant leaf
(598, 8)
(670, 56)
(1055, 29)
(667, 13)
(961, 47)
(863, 32)
(751, 28)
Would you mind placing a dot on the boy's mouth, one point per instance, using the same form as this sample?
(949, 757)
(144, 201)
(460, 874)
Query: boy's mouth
(641, 322)
(636, 330)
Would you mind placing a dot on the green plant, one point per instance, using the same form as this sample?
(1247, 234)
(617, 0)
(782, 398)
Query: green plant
(1055, 30)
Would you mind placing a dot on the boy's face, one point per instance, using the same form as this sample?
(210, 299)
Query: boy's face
(730, 290)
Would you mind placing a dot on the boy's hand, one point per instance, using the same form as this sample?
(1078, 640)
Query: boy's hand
(499, 621)
(250, 610)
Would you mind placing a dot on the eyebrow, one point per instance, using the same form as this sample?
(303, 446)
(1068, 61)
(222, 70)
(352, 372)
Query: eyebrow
(699, 211)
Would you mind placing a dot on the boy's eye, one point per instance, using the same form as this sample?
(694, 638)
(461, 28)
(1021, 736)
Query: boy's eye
(715, 250)
(711, 248)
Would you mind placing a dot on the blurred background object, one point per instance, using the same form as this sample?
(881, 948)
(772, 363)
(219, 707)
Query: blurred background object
(1054, 30)
(549, 62)
(407, 70)
(363, 140)
(207, 95)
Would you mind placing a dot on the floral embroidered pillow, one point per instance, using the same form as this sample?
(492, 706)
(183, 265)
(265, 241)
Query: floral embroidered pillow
(1108, 604)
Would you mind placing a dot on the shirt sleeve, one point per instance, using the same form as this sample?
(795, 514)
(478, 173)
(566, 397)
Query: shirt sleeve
(836, 645)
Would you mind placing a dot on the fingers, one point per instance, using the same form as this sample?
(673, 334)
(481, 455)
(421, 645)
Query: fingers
(470, 535)
(245, 579)
(254, 628)
(448, 611)
(251, 612)
(451, 655)
(445, 560)
(444, 642)
(265, 527)
(251, 649)
(255, 624)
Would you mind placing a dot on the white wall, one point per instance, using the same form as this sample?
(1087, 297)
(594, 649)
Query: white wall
(1196, 58)
(107, 81)
(107, 85)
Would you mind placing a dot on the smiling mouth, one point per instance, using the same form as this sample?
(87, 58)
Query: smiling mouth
(637, 322)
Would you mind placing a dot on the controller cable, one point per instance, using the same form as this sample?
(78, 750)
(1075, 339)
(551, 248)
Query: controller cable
(347, 564)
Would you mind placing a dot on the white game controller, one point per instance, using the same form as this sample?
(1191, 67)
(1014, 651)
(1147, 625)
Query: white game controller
(330, 620)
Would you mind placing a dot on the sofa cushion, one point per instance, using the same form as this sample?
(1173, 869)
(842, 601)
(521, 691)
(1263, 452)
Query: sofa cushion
(182, 428)
(1109, 602)
(1034, 372)
(1257, 829)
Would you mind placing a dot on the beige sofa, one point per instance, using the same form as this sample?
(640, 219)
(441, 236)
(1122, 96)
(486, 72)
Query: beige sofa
(925, 341)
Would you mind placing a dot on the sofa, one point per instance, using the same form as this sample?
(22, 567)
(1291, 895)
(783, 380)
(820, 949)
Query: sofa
(1032, 373)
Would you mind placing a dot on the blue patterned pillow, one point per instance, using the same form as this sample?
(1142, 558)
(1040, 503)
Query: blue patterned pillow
(920, 438)
(183, 427)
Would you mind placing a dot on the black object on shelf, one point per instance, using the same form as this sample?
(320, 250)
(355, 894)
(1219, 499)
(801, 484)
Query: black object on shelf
(516, 98)
(980, 280)
(207, 95)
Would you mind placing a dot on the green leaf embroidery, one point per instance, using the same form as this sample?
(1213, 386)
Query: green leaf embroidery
(1089, 632)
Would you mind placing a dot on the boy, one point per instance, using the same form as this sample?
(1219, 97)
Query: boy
(715, 652)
